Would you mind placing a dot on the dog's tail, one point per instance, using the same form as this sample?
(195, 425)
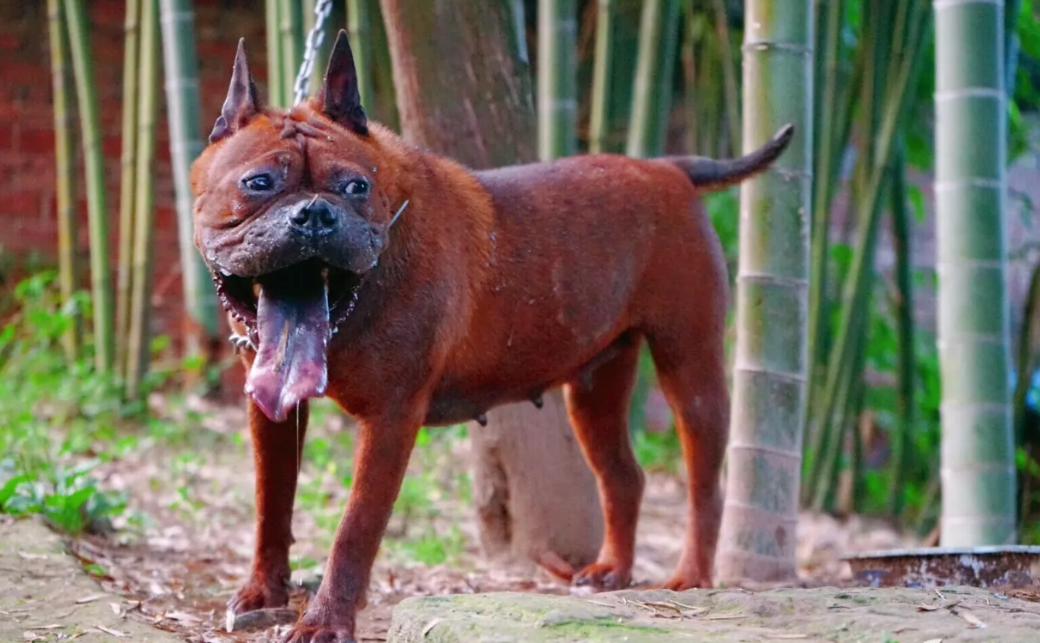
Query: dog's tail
(712, 174)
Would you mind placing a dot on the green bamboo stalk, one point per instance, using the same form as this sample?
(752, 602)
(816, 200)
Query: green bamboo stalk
(760, 515)
(139, 351)
(128, 163)
(557, 74)
(652, 90)
(850, 377)
(93, 160)
(1011, 44)
(872, 176)
(291, 29)
(828, 155)
(361, 44)
(181, 72)
(707, 97)
(1028, 352)
(978, 466)
(599, 120)
(273, 33)
(383, 100)
(64, 175)
(688, 58)
(904, 309)
(729, 78)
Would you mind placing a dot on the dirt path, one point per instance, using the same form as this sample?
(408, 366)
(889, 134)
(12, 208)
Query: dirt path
(185, 544)
(45, 594)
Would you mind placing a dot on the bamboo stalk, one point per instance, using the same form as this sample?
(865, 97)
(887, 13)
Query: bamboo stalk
(292, 46)
(828, 151)
(1028, 352)
(273, 34)
(180, 70)
(760, 515)
(383, 98)
(64, 176)
(729, 78)
(978, 456)
(139, 351)
(557, 73)
(688, 58)
(93, 160)
(128, 163)
(873, 170)
(652, 90)
(904, 309)
(361, 44)
(599, 120)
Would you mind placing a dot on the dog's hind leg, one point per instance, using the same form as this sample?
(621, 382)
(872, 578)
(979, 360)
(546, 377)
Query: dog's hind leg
(598, 408)
(691, 373)
(277, 449)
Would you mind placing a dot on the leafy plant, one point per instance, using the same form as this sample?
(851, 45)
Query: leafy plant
(53, 414)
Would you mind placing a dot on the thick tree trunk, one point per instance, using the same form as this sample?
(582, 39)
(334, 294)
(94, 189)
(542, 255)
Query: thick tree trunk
(463, 89)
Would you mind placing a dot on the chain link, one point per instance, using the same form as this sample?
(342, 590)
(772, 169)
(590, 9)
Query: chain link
(314, 39)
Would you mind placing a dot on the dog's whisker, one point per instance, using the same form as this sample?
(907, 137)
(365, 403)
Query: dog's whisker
(397, 214)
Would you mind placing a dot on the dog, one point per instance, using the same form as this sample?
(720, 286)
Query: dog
(413, 291)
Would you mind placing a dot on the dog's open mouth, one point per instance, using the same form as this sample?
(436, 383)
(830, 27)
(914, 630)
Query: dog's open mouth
(292, 313)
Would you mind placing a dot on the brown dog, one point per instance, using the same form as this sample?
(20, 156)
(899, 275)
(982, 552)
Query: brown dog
(491, 288)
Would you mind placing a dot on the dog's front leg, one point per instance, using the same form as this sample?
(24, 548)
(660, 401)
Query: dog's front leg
(380, 460)
(277, 448)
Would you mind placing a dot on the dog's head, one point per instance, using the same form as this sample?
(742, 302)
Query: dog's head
(289, 217)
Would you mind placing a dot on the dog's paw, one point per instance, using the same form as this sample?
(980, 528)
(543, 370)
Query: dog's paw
(257, 595)
(604, 576)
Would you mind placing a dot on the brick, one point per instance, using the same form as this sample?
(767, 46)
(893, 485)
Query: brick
(23, 202)
(10, 42)
(34, 141)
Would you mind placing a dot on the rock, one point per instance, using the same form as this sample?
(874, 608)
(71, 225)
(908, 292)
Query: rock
(821, 615)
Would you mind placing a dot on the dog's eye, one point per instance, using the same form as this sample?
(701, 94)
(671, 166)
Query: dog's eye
(259, 182)
(356, 187)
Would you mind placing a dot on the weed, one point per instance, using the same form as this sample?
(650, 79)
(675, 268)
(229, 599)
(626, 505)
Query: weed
(46, 470)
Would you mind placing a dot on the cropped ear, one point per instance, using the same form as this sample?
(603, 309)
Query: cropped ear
(241, 103)
(339, 97)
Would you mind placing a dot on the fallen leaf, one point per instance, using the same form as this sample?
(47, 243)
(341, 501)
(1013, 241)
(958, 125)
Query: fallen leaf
(108, 630)
(429, 626)
(789, 636)
(116, 609)
(975, 622)
(934, 641)
(27, 556)
(90, 599)
(31, 636)
(183, 617)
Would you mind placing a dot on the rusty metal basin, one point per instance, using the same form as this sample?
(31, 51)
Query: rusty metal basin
(1012, 565)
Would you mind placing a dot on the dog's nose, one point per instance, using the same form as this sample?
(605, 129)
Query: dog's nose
(317, 215)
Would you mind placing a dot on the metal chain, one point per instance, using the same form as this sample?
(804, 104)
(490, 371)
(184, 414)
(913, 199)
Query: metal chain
(314, 39)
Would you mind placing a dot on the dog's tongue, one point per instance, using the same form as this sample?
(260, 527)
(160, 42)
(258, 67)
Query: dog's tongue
(293, 322)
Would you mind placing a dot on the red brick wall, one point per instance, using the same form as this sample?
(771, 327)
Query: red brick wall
(27, 207)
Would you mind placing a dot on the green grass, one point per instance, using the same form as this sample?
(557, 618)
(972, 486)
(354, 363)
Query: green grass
(57, 419)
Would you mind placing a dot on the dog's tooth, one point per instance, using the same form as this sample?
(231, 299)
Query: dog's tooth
(225, 272)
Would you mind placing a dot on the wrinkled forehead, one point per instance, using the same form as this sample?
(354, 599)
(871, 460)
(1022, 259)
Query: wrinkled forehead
(298, 137)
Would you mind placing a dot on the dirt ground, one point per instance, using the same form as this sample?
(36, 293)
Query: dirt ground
(184, 546)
